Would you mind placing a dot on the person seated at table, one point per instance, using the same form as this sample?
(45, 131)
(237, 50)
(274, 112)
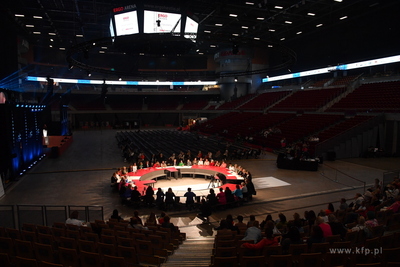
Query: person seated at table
(188, 162)
(157, 165)
(206, 162)
(223, 164)
(140, 166)
(200, 162)
(194, 162)
(147, 164)
(181, 163)
(133, 167)
(231, 167)
(163, 164)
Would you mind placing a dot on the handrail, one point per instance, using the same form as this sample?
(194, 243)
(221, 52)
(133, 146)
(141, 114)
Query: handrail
(16, 215)
(345, 174)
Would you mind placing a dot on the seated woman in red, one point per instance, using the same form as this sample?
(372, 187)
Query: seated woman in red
(268, 240)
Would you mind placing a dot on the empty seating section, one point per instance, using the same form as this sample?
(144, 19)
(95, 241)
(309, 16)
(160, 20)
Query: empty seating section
(346, 80)
(195, 105)
(112, 243)
(299, 127)
(125, 102)
(321, 83)
(87, 102)
(235, 103)
(163, 104)
(255, 124)
(371, 97)
(217, 125)
(167, 142)
(264, 100)
(308, 100)
(341, 127)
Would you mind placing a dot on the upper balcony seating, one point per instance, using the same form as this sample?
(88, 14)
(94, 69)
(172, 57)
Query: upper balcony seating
(371, 97)
(235, 103)
(264, 100)
(309, 100)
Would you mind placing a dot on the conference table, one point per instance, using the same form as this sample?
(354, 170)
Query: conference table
(149, 176)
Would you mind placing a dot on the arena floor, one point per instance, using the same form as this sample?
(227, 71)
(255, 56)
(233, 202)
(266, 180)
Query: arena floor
(81, 176)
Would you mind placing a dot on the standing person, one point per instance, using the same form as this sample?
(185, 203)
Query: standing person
(149, 197)
(212, 198)
(229, 196)
(169, 198)
(205, 210)
(115, 215)
(160, 198)
(244, 191)
(136, 197)
(250, 189)
(190, 196)
(221, 196)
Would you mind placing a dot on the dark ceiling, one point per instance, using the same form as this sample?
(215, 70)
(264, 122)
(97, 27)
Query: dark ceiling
(316, 30)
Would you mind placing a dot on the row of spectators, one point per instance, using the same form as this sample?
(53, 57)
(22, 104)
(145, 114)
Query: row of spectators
(307, 230)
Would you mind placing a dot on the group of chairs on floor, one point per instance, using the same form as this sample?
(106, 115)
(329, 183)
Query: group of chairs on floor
(115, 244)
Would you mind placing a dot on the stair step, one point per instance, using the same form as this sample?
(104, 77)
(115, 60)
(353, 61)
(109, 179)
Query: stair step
(193, 252)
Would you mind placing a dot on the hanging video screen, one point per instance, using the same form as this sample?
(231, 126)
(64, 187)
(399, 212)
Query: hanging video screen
(126, 23)
(161, 22)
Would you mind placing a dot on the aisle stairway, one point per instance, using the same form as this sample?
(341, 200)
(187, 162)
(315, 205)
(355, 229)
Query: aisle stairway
(193, 252)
